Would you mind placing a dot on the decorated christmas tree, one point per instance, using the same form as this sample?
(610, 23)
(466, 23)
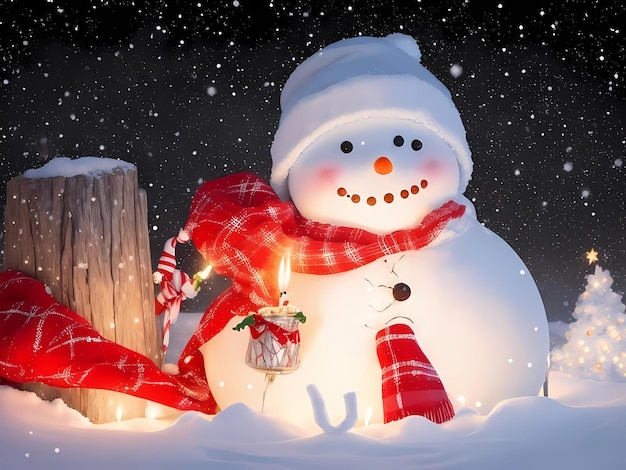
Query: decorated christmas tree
(596, 341)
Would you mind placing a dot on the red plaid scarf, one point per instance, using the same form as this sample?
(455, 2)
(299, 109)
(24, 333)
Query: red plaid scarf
(410, 383)
(44, 341)
(243, 229)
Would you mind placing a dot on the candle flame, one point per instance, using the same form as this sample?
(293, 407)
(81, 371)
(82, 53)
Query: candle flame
(368, 415)
(151, 411)
(284, 273)
(201, 276)
(205, 272)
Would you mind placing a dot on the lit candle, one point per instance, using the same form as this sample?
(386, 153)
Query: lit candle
(274, 337)
(201, 276)
(284, 276)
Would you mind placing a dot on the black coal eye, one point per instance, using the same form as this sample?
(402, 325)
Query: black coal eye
(346, 146)
(398, 141)
(416, 144)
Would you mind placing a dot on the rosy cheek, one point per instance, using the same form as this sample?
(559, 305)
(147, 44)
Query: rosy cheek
(433, 167)
(328, 174)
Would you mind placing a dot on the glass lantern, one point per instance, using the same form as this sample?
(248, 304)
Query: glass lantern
(274, 345)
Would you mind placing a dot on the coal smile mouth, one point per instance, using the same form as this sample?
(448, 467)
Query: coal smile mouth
(387, 198)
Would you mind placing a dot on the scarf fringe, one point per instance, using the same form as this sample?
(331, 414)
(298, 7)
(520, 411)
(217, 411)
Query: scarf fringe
(439, 414)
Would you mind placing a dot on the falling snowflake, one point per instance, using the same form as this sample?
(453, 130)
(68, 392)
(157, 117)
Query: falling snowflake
(456, 70)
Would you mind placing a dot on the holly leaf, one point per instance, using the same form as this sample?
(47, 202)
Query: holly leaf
(248, 321)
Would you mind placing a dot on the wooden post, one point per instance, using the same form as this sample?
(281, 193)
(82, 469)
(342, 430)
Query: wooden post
(86, 237)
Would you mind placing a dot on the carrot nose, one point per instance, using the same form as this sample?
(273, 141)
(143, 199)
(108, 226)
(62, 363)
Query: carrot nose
(383, 166)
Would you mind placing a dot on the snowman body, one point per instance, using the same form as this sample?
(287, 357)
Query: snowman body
(473, 305)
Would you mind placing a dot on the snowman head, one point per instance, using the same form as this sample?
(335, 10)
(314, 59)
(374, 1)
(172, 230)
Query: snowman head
(378, 174)
(374, 95)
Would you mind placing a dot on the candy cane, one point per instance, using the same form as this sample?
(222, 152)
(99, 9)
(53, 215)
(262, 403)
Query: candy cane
(165, 338)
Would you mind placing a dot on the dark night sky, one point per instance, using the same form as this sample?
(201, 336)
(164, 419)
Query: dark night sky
(189, 91)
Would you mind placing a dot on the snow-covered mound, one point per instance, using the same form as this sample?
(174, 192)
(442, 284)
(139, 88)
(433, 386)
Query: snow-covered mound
(581, 426)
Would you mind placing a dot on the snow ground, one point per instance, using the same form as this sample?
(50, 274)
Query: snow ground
(580, 425)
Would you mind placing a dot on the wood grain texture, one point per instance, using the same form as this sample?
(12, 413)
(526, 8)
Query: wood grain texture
(86, 238)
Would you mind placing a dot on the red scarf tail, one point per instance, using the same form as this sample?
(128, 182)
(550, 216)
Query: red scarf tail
(410, 384)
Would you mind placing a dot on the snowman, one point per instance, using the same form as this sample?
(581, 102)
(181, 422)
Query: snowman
(411, 303)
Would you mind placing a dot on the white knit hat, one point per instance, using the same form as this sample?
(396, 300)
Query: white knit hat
(356, 79)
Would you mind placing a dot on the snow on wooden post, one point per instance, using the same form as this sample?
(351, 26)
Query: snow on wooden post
(81, 227)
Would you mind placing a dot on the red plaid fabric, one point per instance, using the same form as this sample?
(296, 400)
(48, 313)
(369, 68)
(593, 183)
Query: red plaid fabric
(243, 229)
(283, 336)
(410, 384)
(44, 341)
